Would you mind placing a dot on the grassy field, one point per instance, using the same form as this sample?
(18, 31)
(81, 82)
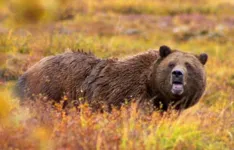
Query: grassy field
(31, 30)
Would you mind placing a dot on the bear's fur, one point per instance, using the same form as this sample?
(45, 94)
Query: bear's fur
(144, 77)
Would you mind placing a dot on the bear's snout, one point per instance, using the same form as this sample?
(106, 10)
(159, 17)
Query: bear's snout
(177, 81)
(177, 76)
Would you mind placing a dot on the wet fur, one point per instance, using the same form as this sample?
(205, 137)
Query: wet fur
(99, 81)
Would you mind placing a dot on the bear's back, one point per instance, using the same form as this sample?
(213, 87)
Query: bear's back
(54, 75)
(121, 80)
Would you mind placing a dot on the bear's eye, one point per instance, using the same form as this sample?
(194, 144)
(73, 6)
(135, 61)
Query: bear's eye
(188, 65)
(171, 65)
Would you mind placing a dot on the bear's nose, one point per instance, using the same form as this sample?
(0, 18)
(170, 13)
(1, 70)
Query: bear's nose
(177, 73)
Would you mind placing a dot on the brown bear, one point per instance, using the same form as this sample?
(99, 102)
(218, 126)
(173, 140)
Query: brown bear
(162, 78)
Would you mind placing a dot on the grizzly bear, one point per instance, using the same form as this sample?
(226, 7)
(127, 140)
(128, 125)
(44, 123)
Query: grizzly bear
(161, 78)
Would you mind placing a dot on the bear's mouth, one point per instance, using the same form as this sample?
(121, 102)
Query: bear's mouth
(177, 88)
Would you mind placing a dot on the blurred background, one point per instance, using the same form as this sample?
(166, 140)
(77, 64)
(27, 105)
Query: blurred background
(30, 30)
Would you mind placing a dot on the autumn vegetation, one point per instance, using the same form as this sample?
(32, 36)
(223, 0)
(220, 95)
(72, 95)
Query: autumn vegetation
(31, 30)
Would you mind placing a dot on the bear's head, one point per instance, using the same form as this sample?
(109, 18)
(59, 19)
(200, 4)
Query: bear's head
(179, 77)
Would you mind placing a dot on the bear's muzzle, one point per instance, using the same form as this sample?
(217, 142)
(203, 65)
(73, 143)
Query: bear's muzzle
(177, 81)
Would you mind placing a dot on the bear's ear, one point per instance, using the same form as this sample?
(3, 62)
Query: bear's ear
(203, 58)
(164, 51)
